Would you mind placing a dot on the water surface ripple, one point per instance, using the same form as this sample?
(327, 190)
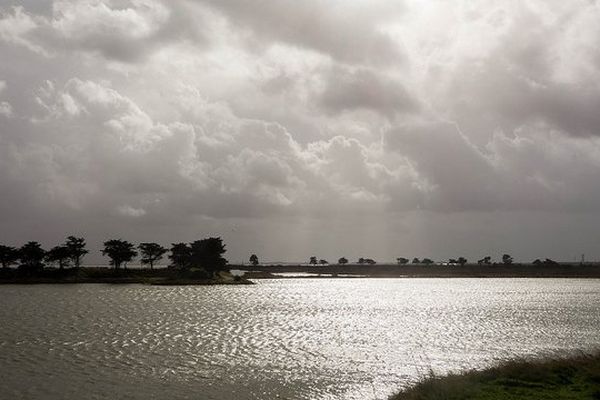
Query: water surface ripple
(287, 339)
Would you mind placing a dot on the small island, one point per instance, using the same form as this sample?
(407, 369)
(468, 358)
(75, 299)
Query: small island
(197, 263)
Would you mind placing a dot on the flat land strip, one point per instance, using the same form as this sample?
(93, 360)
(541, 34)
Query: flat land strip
(431, 271)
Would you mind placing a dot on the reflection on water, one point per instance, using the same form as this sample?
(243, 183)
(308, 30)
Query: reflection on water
(292, 339)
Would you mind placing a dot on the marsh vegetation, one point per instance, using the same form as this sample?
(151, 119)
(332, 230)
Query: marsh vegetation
(575, 378)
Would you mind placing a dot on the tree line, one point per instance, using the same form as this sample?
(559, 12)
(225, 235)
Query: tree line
(32, 257)
(487, 260)
(313, 260)
(205, 253)
(507, 259)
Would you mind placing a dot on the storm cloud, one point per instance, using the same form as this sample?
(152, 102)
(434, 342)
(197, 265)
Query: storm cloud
(299, 128)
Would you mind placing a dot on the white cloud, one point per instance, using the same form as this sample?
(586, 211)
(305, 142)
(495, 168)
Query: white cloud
(17, 26)
(125, 31)
(6, 109)
(128, 211)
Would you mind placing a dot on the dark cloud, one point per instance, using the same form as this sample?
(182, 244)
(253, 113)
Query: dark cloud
(356, 117)
(343, 31)
(364, 89)
(528, 76)
(534, 170)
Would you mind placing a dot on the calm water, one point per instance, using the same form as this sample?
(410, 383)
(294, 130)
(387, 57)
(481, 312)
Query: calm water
(288, 339)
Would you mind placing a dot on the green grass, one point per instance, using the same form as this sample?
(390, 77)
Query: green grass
(574, 378)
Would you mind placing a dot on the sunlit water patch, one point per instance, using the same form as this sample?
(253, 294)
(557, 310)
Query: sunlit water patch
(284, 338)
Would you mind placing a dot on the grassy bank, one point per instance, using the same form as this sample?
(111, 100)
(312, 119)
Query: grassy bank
(574, 378)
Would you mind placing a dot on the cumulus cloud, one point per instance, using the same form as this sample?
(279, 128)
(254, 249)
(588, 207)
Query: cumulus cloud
(522, 70)
(6, 109)
(345, 31)
(16, 27)
(124, 155)
(202, 117)
(536, 168)
(364, 89)
(125, 31)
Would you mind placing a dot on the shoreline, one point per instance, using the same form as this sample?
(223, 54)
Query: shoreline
(166, 276)
(174, 282)
(421, 271)
(328, 276)
(100, 275)
(564, 378)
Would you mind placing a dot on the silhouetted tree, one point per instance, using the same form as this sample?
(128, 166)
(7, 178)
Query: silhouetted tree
(366, 261)
(181, 255)
(402, 260)
(254, 259)
(208, 254)
(507, 259)
(313, 260)
(59, 255)
(151, 253)
(427, 261)
(485, 260)
(119, 251)
(416, 261)
(8, 256)
(343, 261)
(537, 261)
(77, 250)
(32, 256)
(461, 260)
(323, 262)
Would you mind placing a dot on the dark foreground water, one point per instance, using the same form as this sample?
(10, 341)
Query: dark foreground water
(287, 339)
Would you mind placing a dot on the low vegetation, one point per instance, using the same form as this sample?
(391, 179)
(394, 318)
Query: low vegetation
(574, 378)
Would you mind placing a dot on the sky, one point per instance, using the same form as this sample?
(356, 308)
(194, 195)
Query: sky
(357, 128)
